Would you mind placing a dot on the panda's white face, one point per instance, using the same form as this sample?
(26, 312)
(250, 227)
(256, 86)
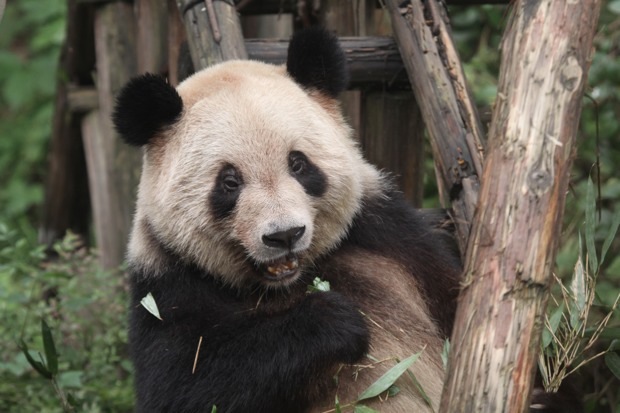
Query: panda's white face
(256, 180)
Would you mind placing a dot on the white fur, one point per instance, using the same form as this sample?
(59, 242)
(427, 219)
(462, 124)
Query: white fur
(250, 115)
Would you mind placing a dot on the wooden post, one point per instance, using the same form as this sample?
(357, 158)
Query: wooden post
(388, 123)
(546, 54)
(113, 167)
(152, 35)
(66, 205)
(213, 31)
(440, 89)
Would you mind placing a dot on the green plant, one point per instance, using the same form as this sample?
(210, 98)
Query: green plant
(84, 309)
(574, 329)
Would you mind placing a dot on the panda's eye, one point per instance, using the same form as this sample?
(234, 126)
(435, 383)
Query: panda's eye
(230, 183)
(297, 163)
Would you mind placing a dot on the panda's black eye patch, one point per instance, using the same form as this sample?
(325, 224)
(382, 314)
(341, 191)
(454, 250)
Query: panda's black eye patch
(223, 197)
(307, 174)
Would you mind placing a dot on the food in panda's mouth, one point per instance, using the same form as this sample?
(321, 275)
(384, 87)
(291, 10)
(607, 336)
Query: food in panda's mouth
(281, 268)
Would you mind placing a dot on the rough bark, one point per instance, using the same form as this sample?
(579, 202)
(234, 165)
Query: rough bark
(113, 167)
(213, 31)
(546, 54)
(440, 89)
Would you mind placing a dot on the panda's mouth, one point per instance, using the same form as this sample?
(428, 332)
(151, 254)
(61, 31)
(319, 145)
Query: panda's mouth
(281, 269)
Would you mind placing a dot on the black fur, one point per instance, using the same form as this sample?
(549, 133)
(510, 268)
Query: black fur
(316, 61)
(223, 198)
(250, 360)
(145, 106)
(308, 175)
(281, 355)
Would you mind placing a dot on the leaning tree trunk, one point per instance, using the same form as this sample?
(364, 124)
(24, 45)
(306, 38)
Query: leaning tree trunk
(546, 54)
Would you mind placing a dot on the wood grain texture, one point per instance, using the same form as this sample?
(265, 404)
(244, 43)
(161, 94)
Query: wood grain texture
(440, 89)
(546, 54)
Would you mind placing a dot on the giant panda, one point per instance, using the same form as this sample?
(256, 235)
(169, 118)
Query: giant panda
(253, 187)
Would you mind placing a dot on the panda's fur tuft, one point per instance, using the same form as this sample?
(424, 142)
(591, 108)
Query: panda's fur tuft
(145, 106)
(254, 188)
(316, 61)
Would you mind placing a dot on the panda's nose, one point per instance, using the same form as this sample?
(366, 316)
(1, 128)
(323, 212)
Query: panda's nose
(284, 239)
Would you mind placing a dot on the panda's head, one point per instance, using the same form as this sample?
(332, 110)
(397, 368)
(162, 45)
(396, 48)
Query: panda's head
(249, 170)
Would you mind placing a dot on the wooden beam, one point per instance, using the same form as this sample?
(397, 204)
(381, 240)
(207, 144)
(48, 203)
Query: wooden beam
(371, 59)
(440, 89)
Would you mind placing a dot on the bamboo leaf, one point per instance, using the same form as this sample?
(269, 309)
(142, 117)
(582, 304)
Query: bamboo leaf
(591, 227)
(319, 285)
(51, 356)
(445, 354)
(384, 382)
(337, 406)
(421, 390)
(578, 291)
(149, 303)
(612, 358)
(610, 235)
(554, 323)
(360, 408)
(37, 365)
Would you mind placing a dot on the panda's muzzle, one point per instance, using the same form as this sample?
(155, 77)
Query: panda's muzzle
(288, 265)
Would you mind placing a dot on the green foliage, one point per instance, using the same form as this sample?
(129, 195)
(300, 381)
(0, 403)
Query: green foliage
(79, 358)
(30, 38)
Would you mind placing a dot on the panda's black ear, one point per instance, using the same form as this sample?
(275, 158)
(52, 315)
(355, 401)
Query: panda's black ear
(146, 105)
(316, 60)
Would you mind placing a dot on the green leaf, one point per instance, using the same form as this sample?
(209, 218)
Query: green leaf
(445, 354)
(614, 6)
(51, 356)
(319, 285)
(554, 323)
(610, 236)
(421, 390)
(578, 290)
(214, 409)
(608, 333)
(393, 390)
(337, 406)
(360, 408)
(149, 303)
(591, 227)
(37, 365)
(612, 358)
(384, 382)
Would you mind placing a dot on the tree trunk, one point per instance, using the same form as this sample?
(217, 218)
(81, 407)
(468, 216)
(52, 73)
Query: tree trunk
(546, 55)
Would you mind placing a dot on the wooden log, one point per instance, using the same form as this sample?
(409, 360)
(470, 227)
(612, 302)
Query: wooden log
(439, 85)
(152, 35)
(176, 40)
(546, 53)
(371, 59)
(213, 31)
(113, 167)
(252, 7)
(66, 203)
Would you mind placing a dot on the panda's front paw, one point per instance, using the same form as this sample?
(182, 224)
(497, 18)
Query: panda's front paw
(342, 325)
